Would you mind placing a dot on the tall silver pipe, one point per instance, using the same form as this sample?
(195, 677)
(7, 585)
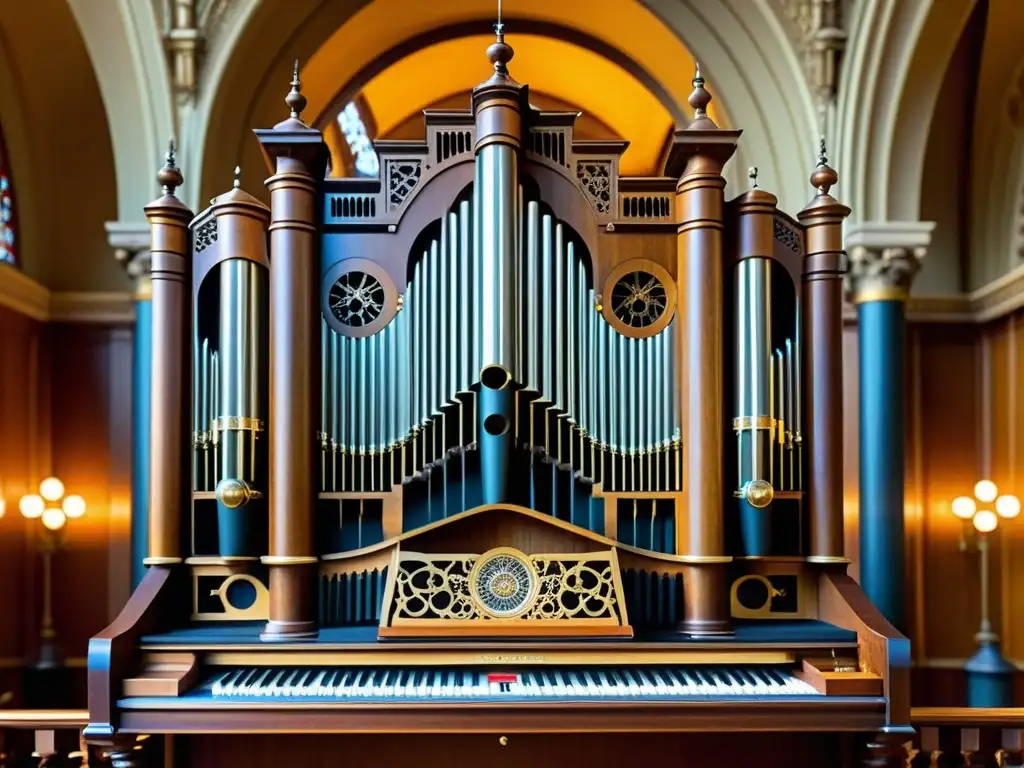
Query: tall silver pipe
(351, 429)
(432, 325)
(456, 313)
(633, 366)
(498, 186)
(798, 376)
(603, 377)
(363, 436)
(790, 415)
(559, 326)
(424, 339)
(519, 302)
(532, 289)
(620, 375)
(779, 447)
(650, 354)
(615, 378)
(547, 307)
(593, 383)
(465, 295)
(571, 359)
(337, 386)
(583, 335)
(443, 317)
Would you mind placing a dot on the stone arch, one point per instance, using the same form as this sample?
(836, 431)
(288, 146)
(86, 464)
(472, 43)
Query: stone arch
(890, 83)
(747, 58)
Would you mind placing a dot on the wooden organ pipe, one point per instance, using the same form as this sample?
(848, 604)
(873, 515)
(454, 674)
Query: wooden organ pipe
(296, 155)
(169, 496)
(699, 153)
(822, 334)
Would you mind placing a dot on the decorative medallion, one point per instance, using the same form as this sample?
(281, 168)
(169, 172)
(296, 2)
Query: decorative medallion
(503, 582)
(359, 297)
(639, 298)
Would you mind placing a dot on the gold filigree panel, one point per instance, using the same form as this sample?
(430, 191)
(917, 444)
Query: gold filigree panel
(504, 591)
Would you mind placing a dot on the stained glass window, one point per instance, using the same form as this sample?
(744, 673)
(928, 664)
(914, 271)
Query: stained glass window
(354, 130)
(8, 251)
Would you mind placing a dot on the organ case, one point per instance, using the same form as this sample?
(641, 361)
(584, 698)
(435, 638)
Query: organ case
(514, 400)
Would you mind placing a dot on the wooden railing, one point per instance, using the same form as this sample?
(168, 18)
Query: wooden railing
(958, 736)
(53, 735)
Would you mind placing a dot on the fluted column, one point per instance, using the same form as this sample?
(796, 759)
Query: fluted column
(697, 157)
(822, 320)
(296, 155)
(131, 249)
(883, 262)
(171, 267)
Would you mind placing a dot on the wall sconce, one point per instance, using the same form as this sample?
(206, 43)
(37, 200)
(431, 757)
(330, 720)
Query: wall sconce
(989, 675)
(53, 509)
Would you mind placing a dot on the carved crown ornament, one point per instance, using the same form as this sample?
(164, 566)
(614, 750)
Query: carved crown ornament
(880, 274)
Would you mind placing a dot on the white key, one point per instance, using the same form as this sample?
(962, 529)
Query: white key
(435, 684)
(217, 689)
(423, 690)
(632, 681)
(660, 686)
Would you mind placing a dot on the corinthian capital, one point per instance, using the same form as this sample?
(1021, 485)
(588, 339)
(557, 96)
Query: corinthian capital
(877, 274)
(884, 257)
(130, 242)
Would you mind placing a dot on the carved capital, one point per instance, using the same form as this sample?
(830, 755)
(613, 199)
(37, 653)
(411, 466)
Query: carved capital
(881, 274)
(130, 242)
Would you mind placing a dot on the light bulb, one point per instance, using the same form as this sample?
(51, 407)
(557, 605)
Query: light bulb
(964, 507)
(74, 506)
(3, 507)
(54, 518)
(1008, 506)
(985, 520)
(51, 489)
(32, 506)
(986, 491)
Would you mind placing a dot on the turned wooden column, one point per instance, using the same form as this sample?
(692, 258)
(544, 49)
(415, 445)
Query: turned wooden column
(295, 154)
(697, 156)
(821, 308)
(169, 465)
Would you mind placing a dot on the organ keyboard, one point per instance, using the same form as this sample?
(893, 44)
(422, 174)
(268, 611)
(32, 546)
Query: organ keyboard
(430, 683)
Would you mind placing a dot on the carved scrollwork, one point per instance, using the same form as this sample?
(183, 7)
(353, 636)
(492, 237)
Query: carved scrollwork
(504, 584)
(595, 177)
(574, 590)
(786, 235)
(205, 235)
(403, 175)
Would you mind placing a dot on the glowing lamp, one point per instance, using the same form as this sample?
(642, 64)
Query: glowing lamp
(964, 507)
(54, 518)
(1008, 506)
(32, 506)
(986, 491)
(985, 520)
(3, 507)
(74, 506)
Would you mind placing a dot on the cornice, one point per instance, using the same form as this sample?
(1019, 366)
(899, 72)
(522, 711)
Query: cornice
(23, 295)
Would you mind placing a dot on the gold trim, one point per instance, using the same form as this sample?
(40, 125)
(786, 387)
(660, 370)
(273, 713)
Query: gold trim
(161, 561)
(741, 423)
(217, 560)
(513, 656)
(236, 423)
(547, 519)
(881, 293)
(288, 560)
(828, 559)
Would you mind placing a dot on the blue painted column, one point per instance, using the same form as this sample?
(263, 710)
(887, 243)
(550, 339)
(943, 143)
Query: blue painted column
(142, 364)
(879, 284)
(882, 327)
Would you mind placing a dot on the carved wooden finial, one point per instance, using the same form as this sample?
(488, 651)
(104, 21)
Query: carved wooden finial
(169, 177)
(752, 173)
(824, 177)
(295, 100)
(700, 98)
(238, 178)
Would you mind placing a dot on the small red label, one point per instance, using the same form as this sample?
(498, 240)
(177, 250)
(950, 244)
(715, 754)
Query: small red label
(501, 677)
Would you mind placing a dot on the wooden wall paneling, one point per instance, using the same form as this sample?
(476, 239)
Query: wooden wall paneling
(949, 391)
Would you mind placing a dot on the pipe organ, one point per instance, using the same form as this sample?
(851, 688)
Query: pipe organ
(499, 394)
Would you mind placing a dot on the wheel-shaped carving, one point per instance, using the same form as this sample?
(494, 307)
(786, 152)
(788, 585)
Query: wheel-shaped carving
(639, 298)
(504, 583)
(358, 297)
